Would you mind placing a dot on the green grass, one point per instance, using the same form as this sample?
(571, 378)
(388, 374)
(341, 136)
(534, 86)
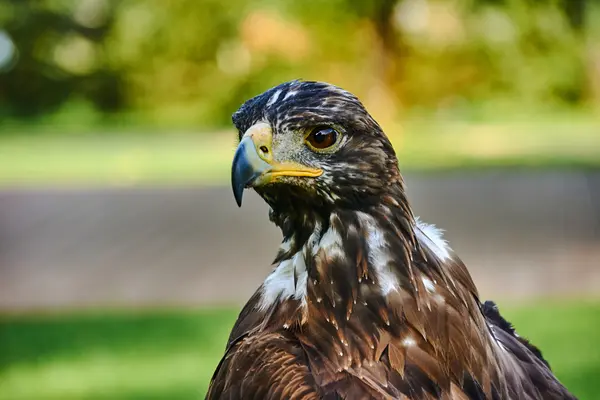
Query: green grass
(34, 158)
(114, 159)
(172, 354)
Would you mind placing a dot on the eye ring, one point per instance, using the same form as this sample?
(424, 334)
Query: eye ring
(322, 137)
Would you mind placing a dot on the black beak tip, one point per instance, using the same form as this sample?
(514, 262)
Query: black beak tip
(241, 172)
(238, 185)
(238, 193)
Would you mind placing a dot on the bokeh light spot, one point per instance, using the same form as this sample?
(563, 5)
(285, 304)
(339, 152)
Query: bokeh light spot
(8, 52)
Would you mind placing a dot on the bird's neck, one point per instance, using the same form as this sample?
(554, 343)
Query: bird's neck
(348, 256)
(362, 279)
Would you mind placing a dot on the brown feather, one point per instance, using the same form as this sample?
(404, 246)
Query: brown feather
(383, 315)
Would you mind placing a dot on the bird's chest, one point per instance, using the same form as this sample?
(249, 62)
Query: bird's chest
(376, 342)
(346, 339)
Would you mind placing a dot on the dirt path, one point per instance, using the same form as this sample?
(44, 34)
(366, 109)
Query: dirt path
(521, 234)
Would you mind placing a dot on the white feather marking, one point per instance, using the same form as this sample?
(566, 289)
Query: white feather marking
(431, 237)
(279, 285)
(290, 94)
(300, 266)
(408, 341)
(274, 98)
(379, 256)
(313, 240)
(331, 243)
(499, 344)
(428, 283)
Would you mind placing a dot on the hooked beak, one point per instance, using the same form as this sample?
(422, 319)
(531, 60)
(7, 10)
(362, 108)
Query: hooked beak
(253, 163)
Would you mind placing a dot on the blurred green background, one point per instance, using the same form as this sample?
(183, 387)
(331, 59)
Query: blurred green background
(172, 354)
(453, 82)
(139, 93)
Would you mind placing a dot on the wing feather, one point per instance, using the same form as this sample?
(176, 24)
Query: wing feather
(264, 366)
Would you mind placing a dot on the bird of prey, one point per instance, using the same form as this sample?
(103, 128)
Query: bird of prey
(365, 301)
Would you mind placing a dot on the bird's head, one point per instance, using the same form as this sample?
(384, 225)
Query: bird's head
(311, 145)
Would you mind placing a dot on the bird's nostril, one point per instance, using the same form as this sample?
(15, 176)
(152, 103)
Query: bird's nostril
(264, 149)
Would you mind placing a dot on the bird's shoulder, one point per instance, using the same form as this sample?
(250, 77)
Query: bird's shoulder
(361, 359)
(263, 365)
(528, 374)
(276, 365)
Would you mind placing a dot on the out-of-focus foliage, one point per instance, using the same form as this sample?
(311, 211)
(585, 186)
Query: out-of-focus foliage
(51, 51)
(197, 60)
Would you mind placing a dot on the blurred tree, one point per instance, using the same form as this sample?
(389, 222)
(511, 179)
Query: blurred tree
(388, 59)
(575, 11)
(181, 59)
(60, 56)
(195, 61)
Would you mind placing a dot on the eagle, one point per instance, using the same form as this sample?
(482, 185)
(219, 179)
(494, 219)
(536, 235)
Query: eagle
(364, 301)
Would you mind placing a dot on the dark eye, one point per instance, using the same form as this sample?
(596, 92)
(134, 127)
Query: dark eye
(322, 137)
